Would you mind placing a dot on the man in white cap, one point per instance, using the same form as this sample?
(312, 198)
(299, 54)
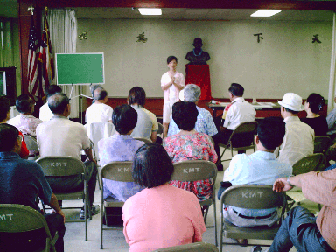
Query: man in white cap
(298, 141)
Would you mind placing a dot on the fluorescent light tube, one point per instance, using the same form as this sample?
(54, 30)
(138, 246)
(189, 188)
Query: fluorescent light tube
(265, 13)
(150, 11)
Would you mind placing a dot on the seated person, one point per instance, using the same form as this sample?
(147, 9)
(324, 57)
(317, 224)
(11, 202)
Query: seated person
(301, 228)
(45, 113)
(120, 147)
(188, 144)
(161, 215)
(204, 123)
(313, 105)
(22, 182)
(298, 141)
(99, 111)
(5, 116)
(234, 114)
(61, 137)
(25, 121)
(147, 125)
(259, 168)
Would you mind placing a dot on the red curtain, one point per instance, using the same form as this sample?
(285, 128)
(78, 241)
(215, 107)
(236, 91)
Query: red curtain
(200, 76)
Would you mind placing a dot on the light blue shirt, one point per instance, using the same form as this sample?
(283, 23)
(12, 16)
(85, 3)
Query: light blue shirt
(118, 148)
(204, 124)
(259, 168)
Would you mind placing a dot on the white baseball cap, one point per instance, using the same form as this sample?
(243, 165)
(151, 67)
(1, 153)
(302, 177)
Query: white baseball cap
(292, 101)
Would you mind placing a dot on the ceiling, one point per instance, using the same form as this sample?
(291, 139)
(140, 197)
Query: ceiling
(205, 14)
(8, 8)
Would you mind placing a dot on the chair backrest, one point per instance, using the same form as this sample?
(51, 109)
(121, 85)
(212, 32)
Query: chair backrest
(246, 127)
(31, 143)
(194, 170)
(321, 144)
(195, 247)
(99, 130)
(307, 164)
(61, 166)
(245, 130)
(18, 218)
(145, 140)
(253, 197)
(119, 171)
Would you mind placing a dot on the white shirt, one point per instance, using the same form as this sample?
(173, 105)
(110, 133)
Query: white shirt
(144, 124)
(172, 93)
(61, 137)
(98, 112)
(239, 112)
(27, 124)
(298, 141)
(45, 113)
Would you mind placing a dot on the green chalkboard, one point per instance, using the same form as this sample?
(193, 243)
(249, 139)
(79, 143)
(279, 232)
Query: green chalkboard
(80, 68)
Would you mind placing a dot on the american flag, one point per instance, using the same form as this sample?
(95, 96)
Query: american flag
(46, 56)
(32, 59)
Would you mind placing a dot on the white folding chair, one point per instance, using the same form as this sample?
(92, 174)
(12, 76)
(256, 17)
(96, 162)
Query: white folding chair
(97, 131)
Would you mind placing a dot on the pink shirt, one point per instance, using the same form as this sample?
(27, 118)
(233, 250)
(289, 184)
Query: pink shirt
(161, 217)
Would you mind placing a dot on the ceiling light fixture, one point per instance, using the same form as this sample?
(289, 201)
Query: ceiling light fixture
(150, 11)
(265, 13)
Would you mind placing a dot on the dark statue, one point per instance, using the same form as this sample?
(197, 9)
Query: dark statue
(197, 56)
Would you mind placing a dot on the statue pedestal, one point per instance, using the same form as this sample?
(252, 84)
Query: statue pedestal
(200, 76)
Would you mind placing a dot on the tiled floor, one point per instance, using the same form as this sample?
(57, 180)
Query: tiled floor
(114, 239)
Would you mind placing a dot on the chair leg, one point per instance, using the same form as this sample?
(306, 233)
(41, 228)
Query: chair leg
(215, 222)
(99, 183)
(85, 213)
(101, 224)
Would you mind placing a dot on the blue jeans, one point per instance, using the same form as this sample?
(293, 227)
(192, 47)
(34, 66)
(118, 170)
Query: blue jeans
(300, 230)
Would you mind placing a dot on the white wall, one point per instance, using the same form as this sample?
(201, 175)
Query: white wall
(284, 61)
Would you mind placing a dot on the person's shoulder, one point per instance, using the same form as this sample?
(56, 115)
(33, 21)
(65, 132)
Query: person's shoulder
(76, 125)
(105, 106)
(182, 194)
(241, 158)
(204, 112)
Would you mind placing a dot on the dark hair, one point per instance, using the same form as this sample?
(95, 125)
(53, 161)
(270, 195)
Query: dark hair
(271, 131)
(24, 103)
(170, 58)
(137, 95)
(4, 107)
(316, 102)
(8, 137)
(53, 89)
(236, 89)
(124, 118)
(58, 103)
(98, 96)
(152, 166)
(185, 115)
(291, 111)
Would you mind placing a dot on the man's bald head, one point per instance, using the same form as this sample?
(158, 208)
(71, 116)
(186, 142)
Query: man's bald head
(100, 94)
(58, 103)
